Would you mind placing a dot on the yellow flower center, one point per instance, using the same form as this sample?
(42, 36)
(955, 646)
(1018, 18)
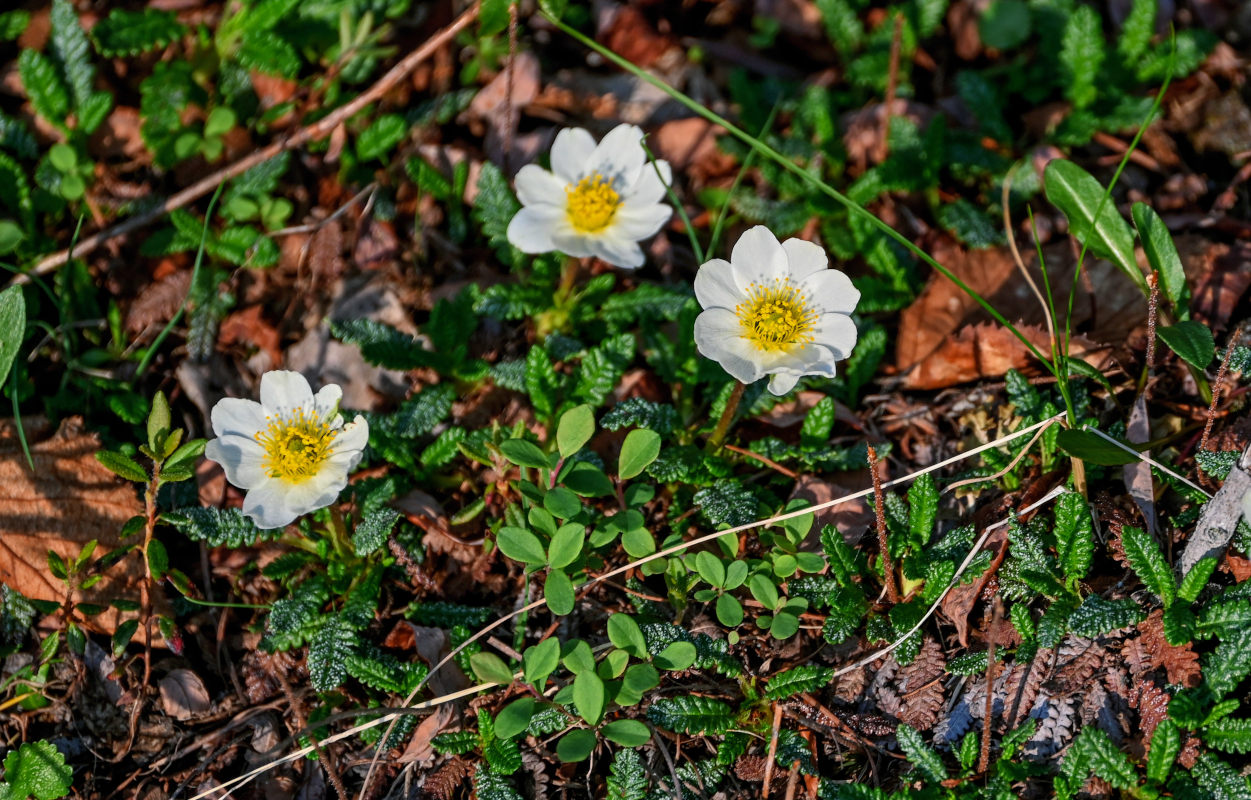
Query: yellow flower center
(592, 203)
(296, 445)
(776, 316)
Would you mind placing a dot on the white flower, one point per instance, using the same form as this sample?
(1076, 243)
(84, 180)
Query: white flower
(291, 451)
(774, 309)
(597, 200)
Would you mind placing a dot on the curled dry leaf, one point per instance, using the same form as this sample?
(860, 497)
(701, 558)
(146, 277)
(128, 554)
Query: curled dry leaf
(183, 694)
(68, 500)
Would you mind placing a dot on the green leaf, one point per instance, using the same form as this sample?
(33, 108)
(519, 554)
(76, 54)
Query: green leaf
(493, 17)
(524, 453)
(1094, 449)
(36, 769)
(159, 421)
(1229, 664)
(1228, 735)
(602, 367)
(1191, 340)
(1075, 192)
(521, 545)
(575, 429)
(540, 660)
(1005, 24)
(635, 412)
(372, 532)
(1219, 779)
(1196, 579)
(1157, 243)
(691, 714)
(625, 633)
(383, 133)
(542, 383)
(129, 33)
(1075, 541)
(13, 24)
(804, 678)
(328, 654)
(576, 745)
(12, 327)
(927, 762)
(1096, 616)
(729, 610)
(589, 697)
(922, 509)
(1148, 562)
(626, 732)
(587, 480)
(1136, 33)
(627, 779)
(68, 46)
(122, 636)
(676, 657)
(47, 92)
(122, 466)
(490, 668)
(158, 560)
(640, 449)
(1165, 745)
(218, 527)
(566, 545)
(1081, 56)
(558, 590)
(382, 345)
(514, 718)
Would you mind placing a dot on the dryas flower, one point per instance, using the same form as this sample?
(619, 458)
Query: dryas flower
(291, 452)
(598, 199)
(774, 309)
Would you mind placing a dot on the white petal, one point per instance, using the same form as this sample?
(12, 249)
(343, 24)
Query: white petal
(531, 229)
(571, 154)
(637, 221)
(783, 382)
(326, 402)
(715, 286)
(620, 156)
(353, 438)
(283, 390)
(831, 290)
(267, 505)
(240, 457)
(536, 186)
(718, 336)
(758, 257)
(624, 253)
(317, 492)
(235, 415)
(837, 332)
(805, 258)
(650, 187)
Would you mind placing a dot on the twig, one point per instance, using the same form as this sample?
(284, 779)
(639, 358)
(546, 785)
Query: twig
(773, 749)
(994, 614)
(1219, 384)
(317, 130)
(768, 462)
(888, 565)
(1020, 263)
(673, 768)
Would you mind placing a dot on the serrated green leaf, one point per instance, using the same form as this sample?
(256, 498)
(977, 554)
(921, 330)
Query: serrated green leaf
(927, 762)
(691, 714)
(218, 527)
(1096, 616)
(47, 91)
(383, 133)
(328, 654)
(128, 33)
(1148, 562)
(1081, 56)
(122, 466)
(627, 779)
(804, 678)
(69, 48)
(1075, 545)
(35, 769)
(12, 327)
(1194, 581)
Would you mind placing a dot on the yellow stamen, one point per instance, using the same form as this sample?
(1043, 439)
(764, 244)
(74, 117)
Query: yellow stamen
(776, 316)
(592, 203)
(296, 445)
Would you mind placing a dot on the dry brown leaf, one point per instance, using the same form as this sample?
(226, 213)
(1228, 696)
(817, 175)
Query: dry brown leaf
(68, 500)
(158, 301)
(249, 326)
(690, 147)
(921, 687)
(419, 748)
(183, 694)
(1180, 663)
(629, 34)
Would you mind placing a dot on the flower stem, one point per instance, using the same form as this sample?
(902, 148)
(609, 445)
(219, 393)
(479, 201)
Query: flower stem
(727, 416)
(883, 543)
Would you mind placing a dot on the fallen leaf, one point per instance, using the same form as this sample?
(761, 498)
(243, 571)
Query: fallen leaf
(690, 147)
(249, 326)
(68, 500)
(183, 694)
(629, 34)
(158, 301)
(1217, 275)
(1137, 474)
(852, 518)
(419, 748)
(499, 111)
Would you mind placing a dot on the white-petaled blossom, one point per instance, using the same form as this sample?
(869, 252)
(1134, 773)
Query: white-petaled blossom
(775, 308)
(598, 199)
(291, 452)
